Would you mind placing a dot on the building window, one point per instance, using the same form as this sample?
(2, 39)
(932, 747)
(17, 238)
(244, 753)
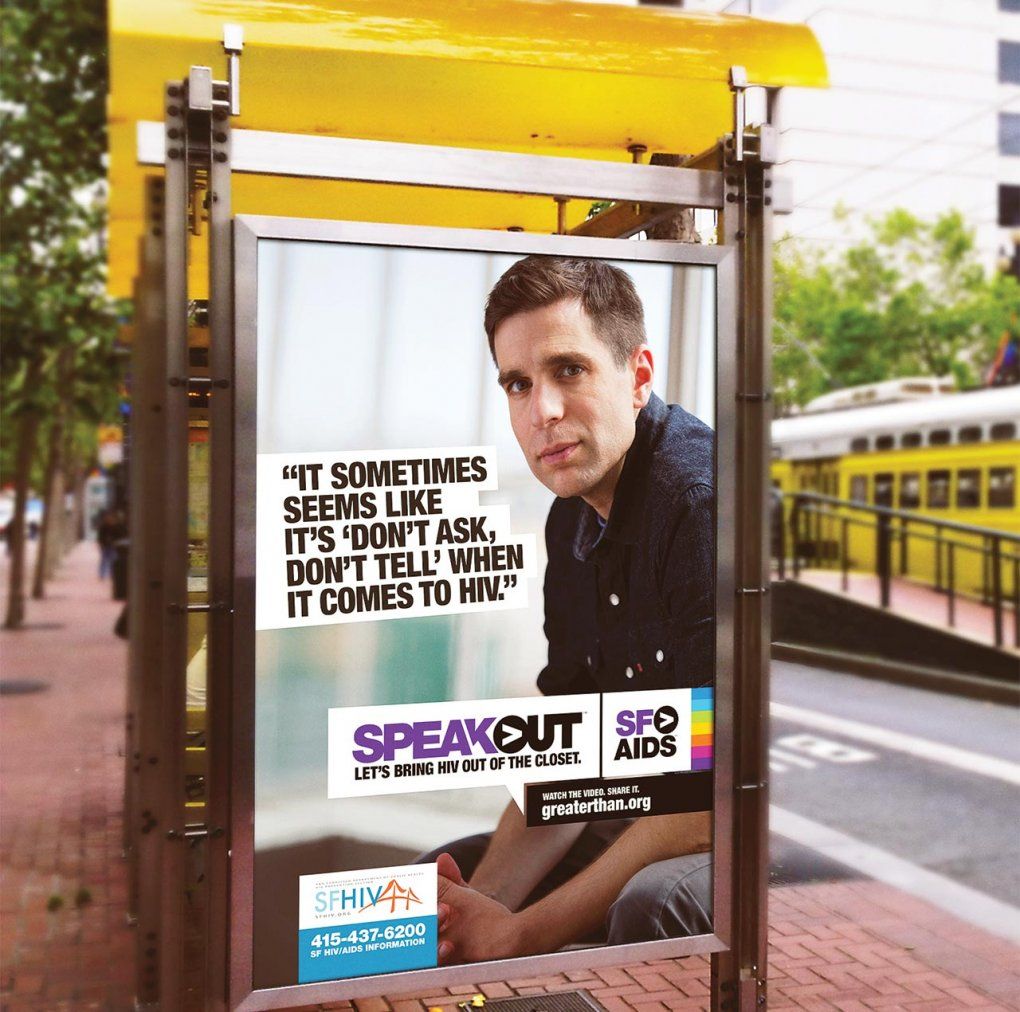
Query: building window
(1009, 205)
(938, 490)
(884, 443)
(1009, 133)
(883, 489)
(1002, 487)
(940, 437)
(859, 488)
(1009, 62)
(1003, 430)
(859, 445)
(969, 434)
(910, 491)
(912, 439)
(968, 489)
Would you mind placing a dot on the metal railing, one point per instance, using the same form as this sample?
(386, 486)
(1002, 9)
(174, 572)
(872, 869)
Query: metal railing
(813, 530)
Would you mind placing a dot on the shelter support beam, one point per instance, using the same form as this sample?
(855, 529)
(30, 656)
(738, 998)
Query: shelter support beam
(739, 975)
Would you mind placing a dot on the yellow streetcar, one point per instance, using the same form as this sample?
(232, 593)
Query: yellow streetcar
(945, 461)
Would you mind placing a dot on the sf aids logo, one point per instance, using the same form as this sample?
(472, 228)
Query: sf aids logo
(646, 733)
(428, 739)
(361, 898)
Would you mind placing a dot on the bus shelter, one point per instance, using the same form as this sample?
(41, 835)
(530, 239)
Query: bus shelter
(337, 546)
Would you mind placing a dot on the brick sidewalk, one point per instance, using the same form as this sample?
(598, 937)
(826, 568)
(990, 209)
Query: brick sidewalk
(849, 945)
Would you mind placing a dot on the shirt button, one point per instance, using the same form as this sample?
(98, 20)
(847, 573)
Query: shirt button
(614, 599)
(659, 655)
(629, 672)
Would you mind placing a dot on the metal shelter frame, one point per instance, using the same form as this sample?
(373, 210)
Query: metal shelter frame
(199, 153)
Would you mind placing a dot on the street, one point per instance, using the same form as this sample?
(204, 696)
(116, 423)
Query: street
(917, 788)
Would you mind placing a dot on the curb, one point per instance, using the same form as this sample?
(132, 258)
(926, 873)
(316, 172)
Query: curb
(950, 682)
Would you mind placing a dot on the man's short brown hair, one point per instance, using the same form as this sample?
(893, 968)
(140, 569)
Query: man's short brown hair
(606, 294)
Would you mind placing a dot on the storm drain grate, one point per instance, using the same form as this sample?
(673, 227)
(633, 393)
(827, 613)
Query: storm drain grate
(563, 1001)
(16, 687)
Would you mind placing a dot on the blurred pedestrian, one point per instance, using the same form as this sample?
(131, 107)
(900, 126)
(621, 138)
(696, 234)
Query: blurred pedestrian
(110, 530)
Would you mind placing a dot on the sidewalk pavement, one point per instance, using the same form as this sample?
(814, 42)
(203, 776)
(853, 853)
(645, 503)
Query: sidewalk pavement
(65, 944)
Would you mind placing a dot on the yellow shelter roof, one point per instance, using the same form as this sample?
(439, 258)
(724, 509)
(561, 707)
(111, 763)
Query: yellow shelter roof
(542, 76)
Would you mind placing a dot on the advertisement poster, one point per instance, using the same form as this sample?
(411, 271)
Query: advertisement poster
(484, 609)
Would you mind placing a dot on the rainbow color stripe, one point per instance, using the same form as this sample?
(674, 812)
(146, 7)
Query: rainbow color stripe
(701, 729)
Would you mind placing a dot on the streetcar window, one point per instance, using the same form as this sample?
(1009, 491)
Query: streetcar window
(884, 489)
(885, 443)
(859, 488)
(938, 489)
(910, 491)
(969, 434)
(940, 437)
(968, 489)
(859, 445)
(1002, 487)
(910, 439)
(1003, 430)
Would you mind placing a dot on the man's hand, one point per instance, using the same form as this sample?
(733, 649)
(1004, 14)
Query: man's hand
(473, 928)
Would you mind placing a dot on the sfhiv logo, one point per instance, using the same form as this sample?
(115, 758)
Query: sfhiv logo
(394, 893)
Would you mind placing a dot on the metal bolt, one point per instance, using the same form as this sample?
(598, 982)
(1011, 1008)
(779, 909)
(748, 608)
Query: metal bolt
(157, 231)
(173, 110)
(174, 154)
(768, 183)
(219, 115)
(731, 198)
(767, 201)
(173, 91)
(731, 180)
(740, 233)
(220, 156)
(220, 137)
(173, 133)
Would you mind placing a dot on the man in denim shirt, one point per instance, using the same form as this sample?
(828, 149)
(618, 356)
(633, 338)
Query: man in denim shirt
(629, 604)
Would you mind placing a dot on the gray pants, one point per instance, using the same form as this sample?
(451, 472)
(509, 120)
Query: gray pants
(668, 899)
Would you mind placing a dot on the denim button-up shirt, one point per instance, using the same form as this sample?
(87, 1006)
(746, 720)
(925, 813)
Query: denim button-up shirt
(630, 604)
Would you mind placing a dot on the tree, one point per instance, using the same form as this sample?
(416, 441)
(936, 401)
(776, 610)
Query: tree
(911, 298)
(56, 359)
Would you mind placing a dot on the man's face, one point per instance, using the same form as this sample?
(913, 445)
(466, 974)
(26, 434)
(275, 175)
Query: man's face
(572, 408)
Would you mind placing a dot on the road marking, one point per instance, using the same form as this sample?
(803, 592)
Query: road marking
(968, 904)
(789, 757)
(922, 748)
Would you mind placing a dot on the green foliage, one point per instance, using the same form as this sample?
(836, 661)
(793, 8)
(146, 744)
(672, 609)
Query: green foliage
(911, 298)
(53, 83)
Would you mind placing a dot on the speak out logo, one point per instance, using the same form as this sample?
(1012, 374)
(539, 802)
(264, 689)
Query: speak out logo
(647, 732)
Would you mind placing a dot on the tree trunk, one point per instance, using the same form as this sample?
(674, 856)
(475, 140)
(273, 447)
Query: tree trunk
(76, 477)
(680, 226)
(27, 429)
(49, 531)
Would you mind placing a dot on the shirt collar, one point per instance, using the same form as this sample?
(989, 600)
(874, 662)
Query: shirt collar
(626, 513)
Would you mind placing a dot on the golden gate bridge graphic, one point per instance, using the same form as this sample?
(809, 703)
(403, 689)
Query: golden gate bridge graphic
(394, 893)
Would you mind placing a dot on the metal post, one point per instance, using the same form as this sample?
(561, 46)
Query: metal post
(844, 555)
(997, 588)
(938, 558)
(739, 974)
(1016, 601)
(219, 693)
(147, 601)
(883, 557)
(904, 544)
(795, 535)
(951, 561)
(174, 551)
(779, 522)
